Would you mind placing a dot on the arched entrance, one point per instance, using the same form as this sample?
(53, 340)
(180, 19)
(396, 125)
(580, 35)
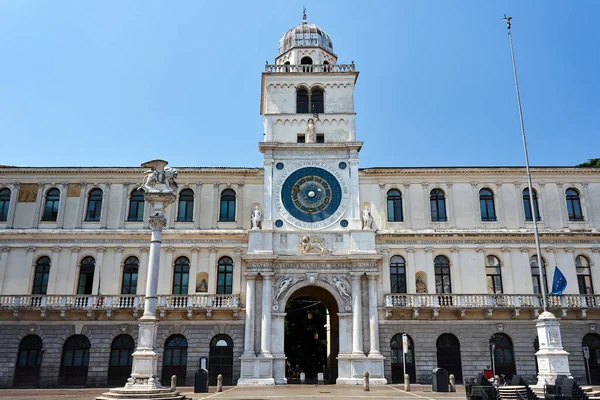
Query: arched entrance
(27, 370)
(448, 355)
(398, 360)
(504, 358)
(220, 360)
(119, 367)
(75, 359)
(175, 360)
(311, 335)
(592, 341)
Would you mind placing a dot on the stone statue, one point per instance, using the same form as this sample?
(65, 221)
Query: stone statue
(159, 178)
(421, 287)
(367, 218)
(256, 218)
(341, 288)
(311, 136)
(312, 245)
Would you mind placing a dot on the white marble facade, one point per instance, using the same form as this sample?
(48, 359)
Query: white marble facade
(339, 258)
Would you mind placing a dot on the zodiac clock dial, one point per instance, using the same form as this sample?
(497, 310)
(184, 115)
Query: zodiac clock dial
(311, 195)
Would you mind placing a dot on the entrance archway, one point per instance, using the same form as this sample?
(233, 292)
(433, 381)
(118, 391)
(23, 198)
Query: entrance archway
(311, 335)
(592, 341)
(220, 360)
(27, 370)
(448, 355)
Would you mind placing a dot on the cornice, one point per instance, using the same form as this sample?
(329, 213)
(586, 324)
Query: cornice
(8, 170)
(477, 170)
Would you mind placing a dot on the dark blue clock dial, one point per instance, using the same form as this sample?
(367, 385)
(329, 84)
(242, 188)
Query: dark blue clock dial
(311, 194)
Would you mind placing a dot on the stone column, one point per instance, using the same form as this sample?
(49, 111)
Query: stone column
(385, 269)
(29, 264)
(239, 209)
(166, 275)
(499, 202)
(373, 317)
(105, 206)
(589, 215)
(197, 205)
(426, 204)
(39, 206)
(117, 271)
(526, 266)
(430, 270)
(72, 269)
(355, 218)
(357, 332)
(193, 270)
(3, 264)
(564, 219)
(212, 270)
(10, 220)
(124, 197)
(143, 270)
(81, 205)
(406, 205)
(411, 271)
(450, 205)
(98, 270)
(456, 275)
(476, 206)
(508, 284)
(595, 266)
(267, 222)
(216, 206)
(250, 308)
(383, 217)
(265, 326)
(62, 206)
(54, 266)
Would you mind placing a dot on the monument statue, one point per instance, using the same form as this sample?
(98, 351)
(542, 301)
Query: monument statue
(311, 136)
(159, 178)
(421, 287)
(367, 218)
(256, 218)
(312, 245)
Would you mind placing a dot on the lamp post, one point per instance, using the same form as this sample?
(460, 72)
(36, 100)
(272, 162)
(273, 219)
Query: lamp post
(552, 359)
(159, 192)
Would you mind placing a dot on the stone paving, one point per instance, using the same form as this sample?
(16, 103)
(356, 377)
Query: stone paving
(295, 392)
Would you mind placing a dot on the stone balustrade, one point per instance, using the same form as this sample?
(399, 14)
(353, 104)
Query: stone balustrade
(310, 68)
(488, 301)
(114, 302)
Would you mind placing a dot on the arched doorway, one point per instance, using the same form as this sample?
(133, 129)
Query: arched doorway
(398, 360)
(311, 335)
(504, 358)
(27, 370)
(448, 355)
(592, 341)
(220, 360)
(174, 360)
(119, 368)
(75, 360)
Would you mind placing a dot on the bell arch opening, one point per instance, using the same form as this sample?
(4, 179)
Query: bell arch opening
(311, 335)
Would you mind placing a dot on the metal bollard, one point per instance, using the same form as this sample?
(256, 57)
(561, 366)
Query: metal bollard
(302, 377)
(219, 383)
(452, 383)
(406, 383)
(174, 382)
(366, 382)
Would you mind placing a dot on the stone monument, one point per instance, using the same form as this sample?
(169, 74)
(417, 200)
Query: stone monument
(159, 186)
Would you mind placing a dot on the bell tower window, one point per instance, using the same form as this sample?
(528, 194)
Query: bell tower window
(310, 102)
(302, 101)
(306, 61)
(317, 104)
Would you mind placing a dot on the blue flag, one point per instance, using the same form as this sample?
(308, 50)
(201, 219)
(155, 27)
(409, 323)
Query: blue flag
(559, 283)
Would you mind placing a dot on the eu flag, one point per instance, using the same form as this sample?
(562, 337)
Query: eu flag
(559, 282)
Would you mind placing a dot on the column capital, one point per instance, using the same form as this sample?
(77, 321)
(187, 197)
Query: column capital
(238, 249)
(213, 249)
(449, 184)
(410, 249)
(381, 185)
(144, 249)
(569, 249)
(356, 275)
(241, 184)
(119, 249)
(429, 249)
(251, 275)
(157, 222)
(385, 250)
(31, 249)
(474, 184)
(56, 249)
(100, 249)
(455, 249)
(372, 276)
(216, 184)
(169, 249)
(595, 249)
(524, 249)
(498, 183)
(195, 249)
(478, 249)
(267, 275)
(425, 185)
(517, 185)
(406, 184)
(551, 249)
(506, 249)
(4, 249)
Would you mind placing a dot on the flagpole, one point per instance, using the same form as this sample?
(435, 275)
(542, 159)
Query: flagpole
(540, 260)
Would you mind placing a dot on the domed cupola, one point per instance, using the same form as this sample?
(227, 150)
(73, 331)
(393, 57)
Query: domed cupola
(302, 42)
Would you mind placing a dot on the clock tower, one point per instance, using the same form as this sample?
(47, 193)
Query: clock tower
(314, 236)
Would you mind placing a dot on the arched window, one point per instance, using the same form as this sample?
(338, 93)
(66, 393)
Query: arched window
(504, 358)
(94, 205)
(527, 206)
(86, 276)
(302, 101)
(29, 359)
(592, 341)
(119, 368)
(42, 272)
(136, 206)
(442, 275)
(448, 355)
(225, 276)
(486, 205)
(4, 203)
(306, 61)
(185, 211)
(493, 275)
(317, 102)
(220, 360)
(437, 202)
(130, 275)
(574, 205)
(51, 205)
(535, 275)
(75, 359)
(394, 206)
(584, 275)
(398, 274)
(227, 211)
(175, 360)
(181, 274)
(398, 359)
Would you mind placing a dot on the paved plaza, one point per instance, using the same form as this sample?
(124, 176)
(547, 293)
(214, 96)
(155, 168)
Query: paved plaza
(296, 392)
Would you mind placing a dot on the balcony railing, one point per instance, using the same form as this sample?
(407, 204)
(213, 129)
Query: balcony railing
(114, 302)
(488, 301)
(310, 68)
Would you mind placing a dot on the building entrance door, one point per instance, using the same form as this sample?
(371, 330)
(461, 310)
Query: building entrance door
(311, 335)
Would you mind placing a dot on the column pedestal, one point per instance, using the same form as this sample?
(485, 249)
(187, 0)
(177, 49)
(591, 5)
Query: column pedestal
(552, 359)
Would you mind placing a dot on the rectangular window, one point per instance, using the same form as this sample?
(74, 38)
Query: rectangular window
(320, 138)
(301, 139)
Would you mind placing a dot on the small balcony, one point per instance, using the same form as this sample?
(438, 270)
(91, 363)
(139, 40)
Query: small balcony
(461, 303)
(206, 303)
(309, 68)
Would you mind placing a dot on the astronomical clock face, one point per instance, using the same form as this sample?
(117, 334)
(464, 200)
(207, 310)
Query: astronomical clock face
(312, 195)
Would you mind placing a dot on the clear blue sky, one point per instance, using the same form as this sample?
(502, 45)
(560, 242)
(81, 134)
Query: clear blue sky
(116, 83)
